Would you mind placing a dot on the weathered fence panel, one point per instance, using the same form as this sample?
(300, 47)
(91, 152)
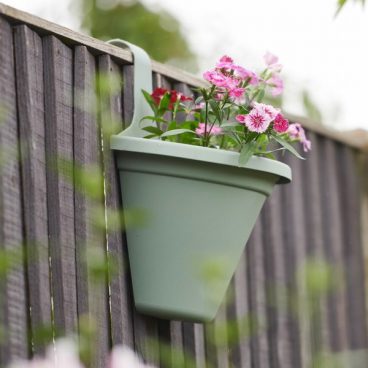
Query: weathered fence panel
(61, 96)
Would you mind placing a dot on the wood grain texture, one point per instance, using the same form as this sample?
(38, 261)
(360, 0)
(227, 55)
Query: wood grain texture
(258, 306)
(291, 218)
(119, 279)
(240, 313)
(30, 95)
(351, 193)
(92, 292)
(279, 262)
(333, 243)
(13, 295)
(58, 81)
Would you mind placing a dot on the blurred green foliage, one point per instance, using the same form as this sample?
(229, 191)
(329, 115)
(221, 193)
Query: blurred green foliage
(342, 3)
(158, 32)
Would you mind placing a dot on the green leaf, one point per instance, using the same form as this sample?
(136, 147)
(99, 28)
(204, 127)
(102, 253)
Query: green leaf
(150, 101)
(176, 132)
(154, 118)
(153, 130)
(216, 110)
(164, 104)
(287, 146)
(260, 95)
(247, 152)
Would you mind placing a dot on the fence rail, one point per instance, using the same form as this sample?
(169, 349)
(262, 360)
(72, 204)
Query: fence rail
(48, 94)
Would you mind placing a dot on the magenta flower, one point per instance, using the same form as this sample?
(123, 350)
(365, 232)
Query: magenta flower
(277, 85)
(257, 120)
(237, 95)
(226, 62)
(296, 132)
(220, 80)
(280, 125)
(240, 118)
(226, 59)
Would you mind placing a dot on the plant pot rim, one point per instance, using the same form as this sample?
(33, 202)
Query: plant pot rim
(204, 154)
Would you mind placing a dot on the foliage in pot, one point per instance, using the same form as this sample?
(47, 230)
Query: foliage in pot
(201, 183)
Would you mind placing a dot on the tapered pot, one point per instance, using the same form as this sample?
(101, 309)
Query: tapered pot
(200, 208)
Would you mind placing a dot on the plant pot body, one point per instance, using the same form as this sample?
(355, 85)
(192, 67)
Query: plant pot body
(200, 213)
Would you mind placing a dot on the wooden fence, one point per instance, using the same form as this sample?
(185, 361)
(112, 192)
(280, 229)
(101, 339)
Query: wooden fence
(47, 92)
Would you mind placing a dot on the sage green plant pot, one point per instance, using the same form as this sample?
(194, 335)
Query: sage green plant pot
(201, 208)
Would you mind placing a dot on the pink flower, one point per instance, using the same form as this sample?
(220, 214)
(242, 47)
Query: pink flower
(271, 111)
(199, 106)
(270, 58)
(214, 130)
(237, 95)
(245, 74)
(241, 118)
(226, 62)
(220, 80)
(257, 120)
(280, 125)
(226, 59)
(215, 77)
(277, 85)
(297, 133)
(272, 62)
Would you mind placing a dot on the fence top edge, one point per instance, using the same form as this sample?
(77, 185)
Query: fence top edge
(356, 139)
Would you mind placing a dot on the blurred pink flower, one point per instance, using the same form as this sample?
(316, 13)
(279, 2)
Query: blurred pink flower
(237, 95)
(62, 354)
(220, 80)
(277, 85)
(245, 74)
(297, 132)
(270, 58)
(226, 62)
(271, 61)
(214, 130)
(240, 118)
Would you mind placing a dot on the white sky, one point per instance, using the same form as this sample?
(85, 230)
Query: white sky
(327, 56)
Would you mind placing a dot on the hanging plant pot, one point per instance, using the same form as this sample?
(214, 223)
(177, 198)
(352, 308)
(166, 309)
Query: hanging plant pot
(201, 209)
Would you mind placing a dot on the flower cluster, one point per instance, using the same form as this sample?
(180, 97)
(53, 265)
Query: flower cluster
(64, 355)
(229, 114)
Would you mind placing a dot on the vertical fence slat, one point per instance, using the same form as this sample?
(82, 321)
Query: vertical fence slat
(351, 194)
(277, 281)
(333, 243)
(30, 90)
(241, 356)
(58, 75)
(13, 298)
(292, 214)
(90, 240)
(111, 115)
(320, 332)
(258, 299)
